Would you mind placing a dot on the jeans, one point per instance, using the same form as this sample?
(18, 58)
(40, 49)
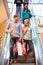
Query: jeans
(29, 42)
(18, 10)
(13, 42)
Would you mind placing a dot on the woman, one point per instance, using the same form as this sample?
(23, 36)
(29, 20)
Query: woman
(26, 14)
(27, 37)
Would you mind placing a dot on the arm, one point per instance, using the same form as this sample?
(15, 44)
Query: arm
(38, 32)
(21, 35)
(22, 16)
(30, 14)
(8, 28)
(25, 31)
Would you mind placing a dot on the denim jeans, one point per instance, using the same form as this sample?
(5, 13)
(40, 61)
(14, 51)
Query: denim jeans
(30, 44)
(13, 42)
(18, 10)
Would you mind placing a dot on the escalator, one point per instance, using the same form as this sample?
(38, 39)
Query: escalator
(5, 53)
(35, 57)
(30, 61)
(38, 50)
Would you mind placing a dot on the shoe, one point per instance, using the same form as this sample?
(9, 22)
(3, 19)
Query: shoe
(11, 61)
(26, 61)
(15, 61)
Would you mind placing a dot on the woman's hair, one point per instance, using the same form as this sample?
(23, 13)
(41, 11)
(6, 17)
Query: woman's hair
(24, 6)
(28, 21)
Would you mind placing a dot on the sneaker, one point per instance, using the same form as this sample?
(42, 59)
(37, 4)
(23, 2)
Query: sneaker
(11, 61)
(15, 61)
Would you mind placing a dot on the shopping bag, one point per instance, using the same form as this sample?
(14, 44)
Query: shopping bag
(23, 48)
(20, 48)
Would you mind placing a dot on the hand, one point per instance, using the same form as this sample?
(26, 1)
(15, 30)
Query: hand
(38, 32)
(7, 31)
(19, 38)
(22, 40)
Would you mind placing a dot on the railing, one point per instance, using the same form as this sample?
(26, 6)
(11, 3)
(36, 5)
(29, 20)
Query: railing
(37, 44)
(5, 52)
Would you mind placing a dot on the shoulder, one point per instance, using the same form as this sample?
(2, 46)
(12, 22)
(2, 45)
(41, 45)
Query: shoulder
(11, 24)
(28, 10)
(19, 24)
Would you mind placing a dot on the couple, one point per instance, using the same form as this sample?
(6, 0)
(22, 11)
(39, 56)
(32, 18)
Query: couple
(17, 32)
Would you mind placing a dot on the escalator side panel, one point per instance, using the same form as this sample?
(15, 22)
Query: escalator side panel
(6, 51)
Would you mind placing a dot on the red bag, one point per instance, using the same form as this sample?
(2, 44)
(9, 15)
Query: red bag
(16, 48)
(21, 50)
(23, 47)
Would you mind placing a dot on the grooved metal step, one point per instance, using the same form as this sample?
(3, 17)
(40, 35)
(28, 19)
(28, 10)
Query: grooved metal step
(22, 60)
(23, 64)
(31, 58)
(31, 55)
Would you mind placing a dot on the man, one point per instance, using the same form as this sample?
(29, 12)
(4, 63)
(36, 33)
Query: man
(15, 30)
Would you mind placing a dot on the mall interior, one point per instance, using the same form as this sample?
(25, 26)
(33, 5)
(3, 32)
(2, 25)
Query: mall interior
(8, 9)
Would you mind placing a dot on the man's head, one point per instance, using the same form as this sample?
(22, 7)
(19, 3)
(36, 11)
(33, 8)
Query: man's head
(15, 18)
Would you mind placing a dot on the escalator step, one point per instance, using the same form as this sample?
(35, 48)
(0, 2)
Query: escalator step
(21, 59)
(23, 64)
(31, 55)
(31, 60)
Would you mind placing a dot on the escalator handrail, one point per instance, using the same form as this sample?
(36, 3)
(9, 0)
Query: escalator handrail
(39, 44)
(5, 38)
(4, 47)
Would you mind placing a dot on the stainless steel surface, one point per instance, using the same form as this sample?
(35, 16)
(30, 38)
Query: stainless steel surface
(5, 51)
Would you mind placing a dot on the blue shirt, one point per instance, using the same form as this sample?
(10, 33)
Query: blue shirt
(26, 15)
